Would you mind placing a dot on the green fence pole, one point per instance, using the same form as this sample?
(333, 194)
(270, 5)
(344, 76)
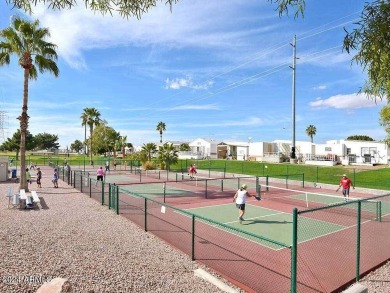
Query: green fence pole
(221, 185)
(317, 175)
(164, 188)
(358, 241)
(303, 179)
(109, 196)
(379, 211)
(257, 186)
(102, 193)
(193, 238)
(206, 189)
(146, 217)
(81, 181)
(117, 200)
(294, 251)
(266, 182)
(90, 187)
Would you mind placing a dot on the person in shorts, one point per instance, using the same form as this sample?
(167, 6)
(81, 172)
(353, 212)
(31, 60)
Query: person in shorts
(39, 177)
(240, 199)
(99, 174)
(346, 183)
(55, 178)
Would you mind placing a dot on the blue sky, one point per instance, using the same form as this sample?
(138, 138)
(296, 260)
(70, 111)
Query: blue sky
(208, 69)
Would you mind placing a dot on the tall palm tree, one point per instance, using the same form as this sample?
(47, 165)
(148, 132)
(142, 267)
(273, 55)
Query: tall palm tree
(160, 128)
(311, 130)
(90, 117)
(27, 41)
(84, 118)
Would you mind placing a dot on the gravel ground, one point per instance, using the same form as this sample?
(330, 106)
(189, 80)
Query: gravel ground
(72, 236)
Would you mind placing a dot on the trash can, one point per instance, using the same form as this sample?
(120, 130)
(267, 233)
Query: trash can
(13, 173)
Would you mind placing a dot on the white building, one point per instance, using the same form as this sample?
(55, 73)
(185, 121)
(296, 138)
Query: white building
(202, 149)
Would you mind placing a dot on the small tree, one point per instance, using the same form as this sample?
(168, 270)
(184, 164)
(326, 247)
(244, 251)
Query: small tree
(161, 128)
(76, 146)
(311, 130)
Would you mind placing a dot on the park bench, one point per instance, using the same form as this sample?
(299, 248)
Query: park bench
(35, 197)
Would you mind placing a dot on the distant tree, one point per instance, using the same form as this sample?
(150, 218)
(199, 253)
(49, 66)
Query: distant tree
(184, 147)
(46, 141)
(161, 128)
(76, 146)
(90, 117)
(13, 144)
(104, 138)
(384, 121)
(148, 150)
(360, 137)
(26, 40)
(167, 155)
(311, 130)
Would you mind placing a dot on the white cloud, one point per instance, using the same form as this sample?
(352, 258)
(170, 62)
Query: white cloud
(179, 83)
(320, 87)
(251, 121)
(350, 101)
(196, 107)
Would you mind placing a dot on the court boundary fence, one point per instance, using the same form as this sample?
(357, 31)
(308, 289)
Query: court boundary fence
(197, 231)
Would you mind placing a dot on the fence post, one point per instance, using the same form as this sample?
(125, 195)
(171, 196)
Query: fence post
(109, 196)
(81, 182)
(193, 238)
(358, 241)
(117, 200)
(266, 182)
(206, 189)
(102, 193)
(90, 187)
(145, 220)
(294, 251)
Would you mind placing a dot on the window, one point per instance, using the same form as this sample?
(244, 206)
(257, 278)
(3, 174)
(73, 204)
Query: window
(328, 149)
(348, 151)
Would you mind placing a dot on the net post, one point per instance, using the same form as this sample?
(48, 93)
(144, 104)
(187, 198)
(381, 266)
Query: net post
(294, 252)
(140, 174)
(379, 211)
(359, 203)
(193, 238)
(206, 189)
(164, 188)
(176, 177)
(81, 182)
(222, 185)
(307, 200)
(303, 180)
(145, 218)
(266, 182)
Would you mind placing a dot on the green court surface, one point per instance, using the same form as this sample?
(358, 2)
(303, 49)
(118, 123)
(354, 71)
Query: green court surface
(272, 224)
(157, 190)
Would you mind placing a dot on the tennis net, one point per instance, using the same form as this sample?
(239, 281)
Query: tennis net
(310, 200)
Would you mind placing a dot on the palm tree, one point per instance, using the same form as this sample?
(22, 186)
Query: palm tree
(123, 143)
(167, 155)
(90, 117)
(149, 150)
(311, 130)
(160, 128)
(27, 40)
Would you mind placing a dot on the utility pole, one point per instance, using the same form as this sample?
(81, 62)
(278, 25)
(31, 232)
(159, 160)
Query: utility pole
(294, 45)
